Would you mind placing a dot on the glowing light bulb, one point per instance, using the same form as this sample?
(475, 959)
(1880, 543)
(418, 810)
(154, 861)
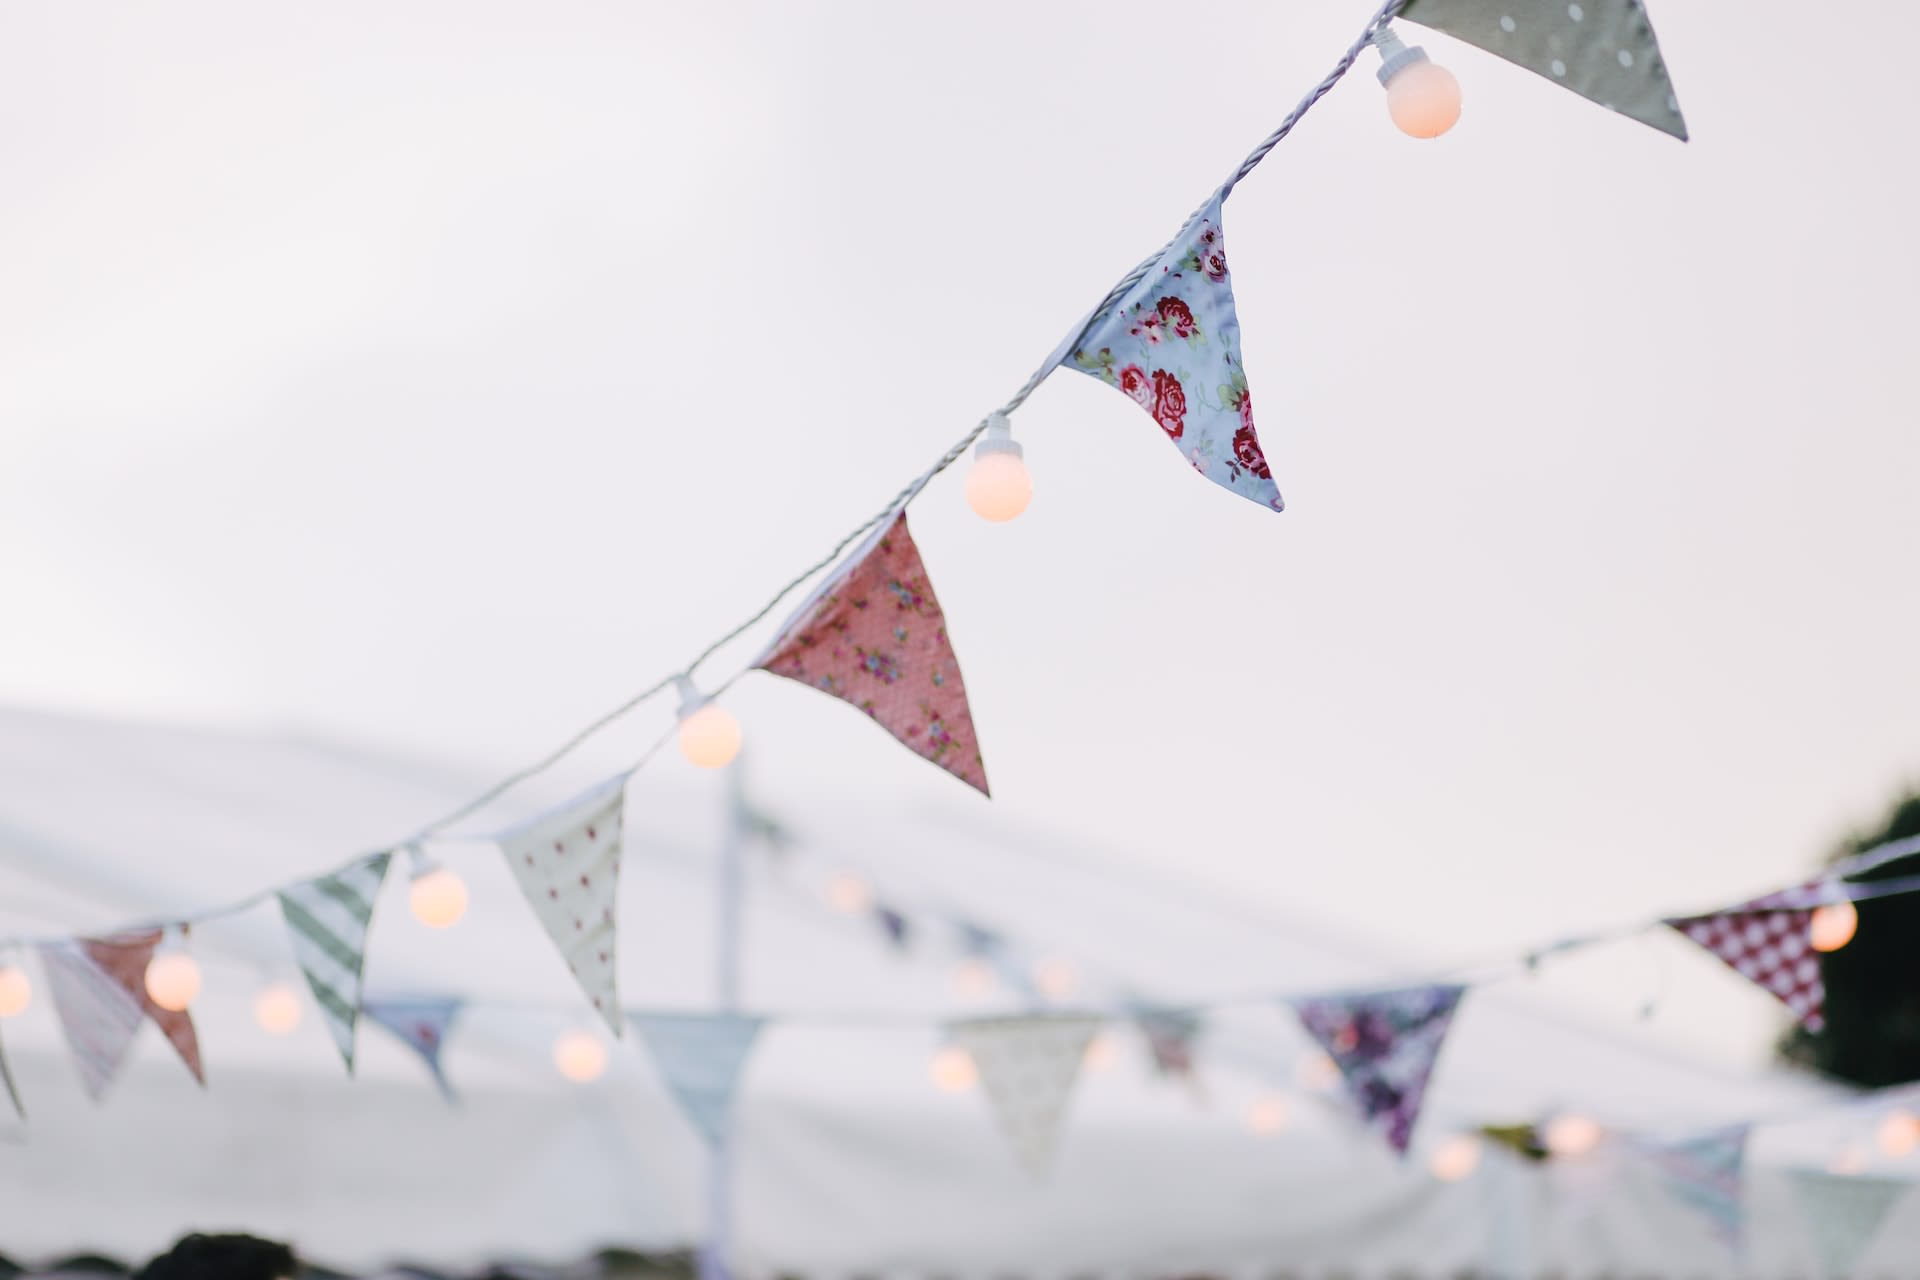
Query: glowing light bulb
(581, 1056)
(1101, 1053)
(1057, 979)
(849, 894)
(953, 1070)
(973, 977)
(1569, 1135)
(1456, 1158)
(709, 734)
(1268, 1115)
(1832, 926)
(278, 1009)
(1423, 98)
(438, 898)
(1316, 1071)
(998, 486)
(173, 980)
(1899, 1134)
(16, 993)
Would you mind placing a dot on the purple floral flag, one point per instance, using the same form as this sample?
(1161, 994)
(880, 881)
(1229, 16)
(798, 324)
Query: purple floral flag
(1172, 345)
(1385, 1044)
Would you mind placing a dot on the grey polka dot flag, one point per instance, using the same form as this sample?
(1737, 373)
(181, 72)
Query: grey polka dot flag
(1603, 50)
(568, 864)
(328, 919)
(1028, 1066)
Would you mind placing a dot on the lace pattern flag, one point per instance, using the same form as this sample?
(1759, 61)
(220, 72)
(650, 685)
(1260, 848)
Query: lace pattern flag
(873, 635)
(328, 919)
(1172, 346)
(1844, 1214)
(1385, 1044)
(1603, 50)
(1766, 942)
(568, 864)
(700, 1056)
(421, 1025)
(1705, 1174)
(1028, 1067)
(97, 1016)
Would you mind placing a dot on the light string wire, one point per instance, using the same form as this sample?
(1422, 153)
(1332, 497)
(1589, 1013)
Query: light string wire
(898, 502)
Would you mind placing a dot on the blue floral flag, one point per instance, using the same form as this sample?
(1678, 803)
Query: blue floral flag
(1705, 1173)
(700, 1057)
(1385, 1044)
(1172, 345)
(421, 1025)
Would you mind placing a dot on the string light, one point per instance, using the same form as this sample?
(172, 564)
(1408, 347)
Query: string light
(173, 975)
(1569, 1135)
(580, 1056)
(849, 894)
(1102, 1052)
(1268, 1115)
(1056, 979)
(438, 897)
(1422, 96)
(1832, 926)
(278, 1009)
(1899, 1134)
(1455, 1159)
(953, 1070)
(998, 486)
(1848, 1161)
(973, 978)
(16, 993)
(709, 734)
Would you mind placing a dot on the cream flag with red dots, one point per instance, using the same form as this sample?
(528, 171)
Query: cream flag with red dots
(1028, 1066)
(568, 864)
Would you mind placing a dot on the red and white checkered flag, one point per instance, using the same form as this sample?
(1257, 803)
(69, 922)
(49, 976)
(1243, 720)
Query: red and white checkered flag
(1766, 942)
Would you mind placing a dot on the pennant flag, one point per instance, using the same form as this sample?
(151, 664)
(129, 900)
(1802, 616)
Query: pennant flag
(421, 1025)
(1170, 1037)
(1385, 1044)
(13, 1090)
(1766, 942)
(700, 1056)
(873, 635)
(97, 1016)
(1705, 1174)
(329, 919)
(1603, 50)
(1028, 1066)
(896, 926)
(124, 959)
(1172, 345)
(568, 865)
(1844, 1214)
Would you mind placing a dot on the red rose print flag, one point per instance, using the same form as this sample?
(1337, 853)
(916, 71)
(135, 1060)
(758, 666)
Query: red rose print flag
(873, 635)
(1171, 345)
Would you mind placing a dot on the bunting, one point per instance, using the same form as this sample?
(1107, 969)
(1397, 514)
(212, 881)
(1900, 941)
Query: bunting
(700, 1057)
(97, 1016)
(1766, 942)
(421, 1025)
(568, 864)
(13, 1090)
(895, 925)
(328, 919)
(1385, 1044)
(1028, 1067)
(1170, 1036)
(1844, 1214)
(1603, 50)
(1705, 1174)
(1171, 344)
(873, 635)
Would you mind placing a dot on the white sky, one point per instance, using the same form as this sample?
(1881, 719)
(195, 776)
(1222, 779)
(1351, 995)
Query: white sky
(432, 376)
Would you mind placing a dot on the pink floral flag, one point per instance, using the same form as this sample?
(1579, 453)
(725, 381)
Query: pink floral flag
(1172, 345)
(124, 959)
(873, 635)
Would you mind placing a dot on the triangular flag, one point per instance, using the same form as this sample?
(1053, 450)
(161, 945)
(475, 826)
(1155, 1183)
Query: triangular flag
(1603, 50)
(1028, 1066)
(1385, 1044)
(1705, 1173)
(1766, 941)
(421, 1025)
(700, 1056)
(97, 1016)
(13, 1090)
(1170, 1037)
(329, 919)
(895, 925)
(873, 635)
(124, 959)
(1171, 344)
(568, 864)
(1844, 1214)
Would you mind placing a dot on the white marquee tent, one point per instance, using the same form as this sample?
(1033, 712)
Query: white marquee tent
(850, 1161)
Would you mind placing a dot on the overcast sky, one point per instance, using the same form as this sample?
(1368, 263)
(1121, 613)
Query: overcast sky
(432, 376)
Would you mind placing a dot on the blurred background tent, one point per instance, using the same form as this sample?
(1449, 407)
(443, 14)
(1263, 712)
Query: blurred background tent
(851, 1160)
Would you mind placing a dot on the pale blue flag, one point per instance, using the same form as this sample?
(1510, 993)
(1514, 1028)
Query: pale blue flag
(1707, 1173)
(699, 1057)
(421, 1025)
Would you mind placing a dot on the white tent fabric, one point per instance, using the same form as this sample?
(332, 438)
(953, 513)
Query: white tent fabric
(850, 1161)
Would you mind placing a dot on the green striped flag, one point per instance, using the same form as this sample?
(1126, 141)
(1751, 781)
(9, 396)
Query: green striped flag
(329, 918)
